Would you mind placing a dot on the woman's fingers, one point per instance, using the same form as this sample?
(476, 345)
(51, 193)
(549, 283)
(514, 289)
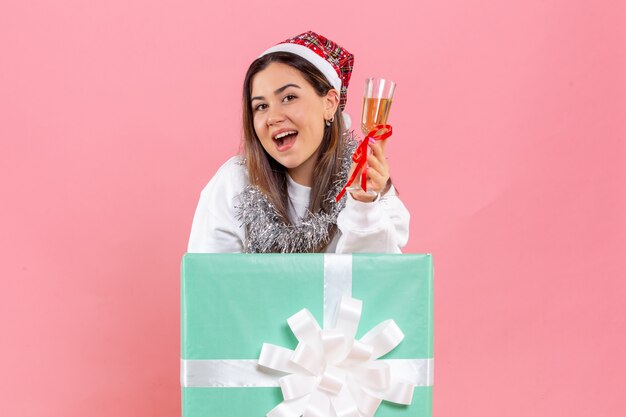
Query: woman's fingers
(376, 164)
(377, 149)
(377, 170)
(378, 153)
(376, 180)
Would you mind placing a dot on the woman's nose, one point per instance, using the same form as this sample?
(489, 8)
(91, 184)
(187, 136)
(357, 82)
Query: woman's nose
(275, 115)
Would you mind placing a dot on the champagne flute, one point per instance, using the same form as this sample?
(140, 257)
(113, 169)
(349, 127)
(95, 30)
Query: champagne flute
(376, 103)
(376, 106)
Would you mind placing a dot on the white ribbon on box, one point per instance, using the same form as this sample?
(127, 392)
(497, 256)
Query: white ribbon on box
(330, 373)
(333, 374)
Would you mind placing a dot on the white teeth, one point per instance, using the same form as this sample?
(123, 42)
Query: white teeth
(282, 135)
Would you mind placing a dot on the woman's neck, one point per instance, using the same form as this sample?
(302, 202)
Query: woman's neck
(303, 174)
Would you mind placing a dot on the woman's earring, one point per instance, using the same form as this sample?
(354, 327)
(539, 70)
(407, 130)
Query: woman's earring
(329, 121)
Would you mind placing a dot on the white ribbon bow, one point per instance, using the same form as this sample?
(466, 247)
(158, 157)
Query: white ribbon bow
(331, 373)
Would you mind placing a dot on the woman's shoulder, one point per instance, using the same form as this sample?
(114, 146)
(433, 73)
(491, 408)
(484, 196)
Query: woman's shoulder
(236, 165)
(231, 177)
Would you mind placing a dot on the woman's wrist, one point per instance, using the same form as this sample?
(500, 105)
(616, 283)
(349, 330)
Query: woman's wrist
(365, 197)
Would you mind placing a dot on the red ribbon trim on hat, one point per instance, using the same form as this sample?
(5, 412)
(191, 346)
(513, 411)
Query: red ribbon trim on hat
(360, 156)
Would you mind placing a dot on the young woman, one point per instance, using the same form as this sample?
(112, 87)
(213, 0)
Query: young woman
(279, 196)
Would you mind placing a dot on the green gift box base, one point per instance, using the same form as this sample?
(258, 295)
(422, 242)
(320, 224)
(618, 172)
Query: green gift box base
(233, 303)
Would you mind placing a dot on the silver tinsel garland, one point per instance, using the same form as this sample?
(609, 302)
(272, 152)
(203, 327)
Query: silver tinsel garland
(267, 233)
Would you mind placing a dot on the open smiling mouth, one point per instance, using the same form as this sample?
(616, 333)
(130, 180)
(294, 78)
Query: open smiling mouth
(284, 140)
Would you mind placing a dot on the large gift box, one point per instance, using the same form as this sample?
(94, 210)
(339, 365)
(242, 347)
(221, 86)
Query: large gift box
(241, 310)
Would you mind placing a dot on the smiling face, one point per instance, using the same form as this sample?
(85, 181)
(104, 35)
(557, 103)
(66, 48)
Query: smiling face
(288, 117)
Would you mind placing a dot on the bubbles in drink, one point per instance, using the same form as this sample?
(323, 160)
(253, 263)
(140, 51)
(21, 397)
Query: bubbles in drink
(375, 112)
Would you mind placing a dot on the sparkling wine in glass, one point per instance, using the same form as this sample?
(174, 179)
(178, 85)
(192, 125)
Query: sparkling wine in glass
(376, 105)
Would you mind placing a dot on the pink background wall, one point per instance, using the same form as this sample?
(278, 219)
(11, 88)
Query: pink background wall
(509, 151)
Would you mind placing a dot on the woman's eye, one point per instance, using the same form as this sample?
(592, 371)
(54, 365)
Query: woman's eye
(260, 107)
(289, 97)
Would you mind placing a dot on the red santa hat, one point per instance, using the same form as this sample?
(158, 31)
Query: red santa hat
(331, 59)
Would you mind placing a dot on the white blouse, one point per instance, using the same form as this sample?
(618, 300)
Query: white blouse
(381, 226)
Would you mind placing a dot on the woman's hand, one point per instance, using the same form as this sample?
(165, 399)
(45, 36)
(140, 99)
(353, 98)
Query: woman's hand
(377, 173)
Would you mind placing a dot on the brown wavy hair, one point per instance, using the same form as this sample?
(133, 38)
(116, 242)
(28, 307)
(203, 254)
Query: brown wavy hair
(269, 175)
